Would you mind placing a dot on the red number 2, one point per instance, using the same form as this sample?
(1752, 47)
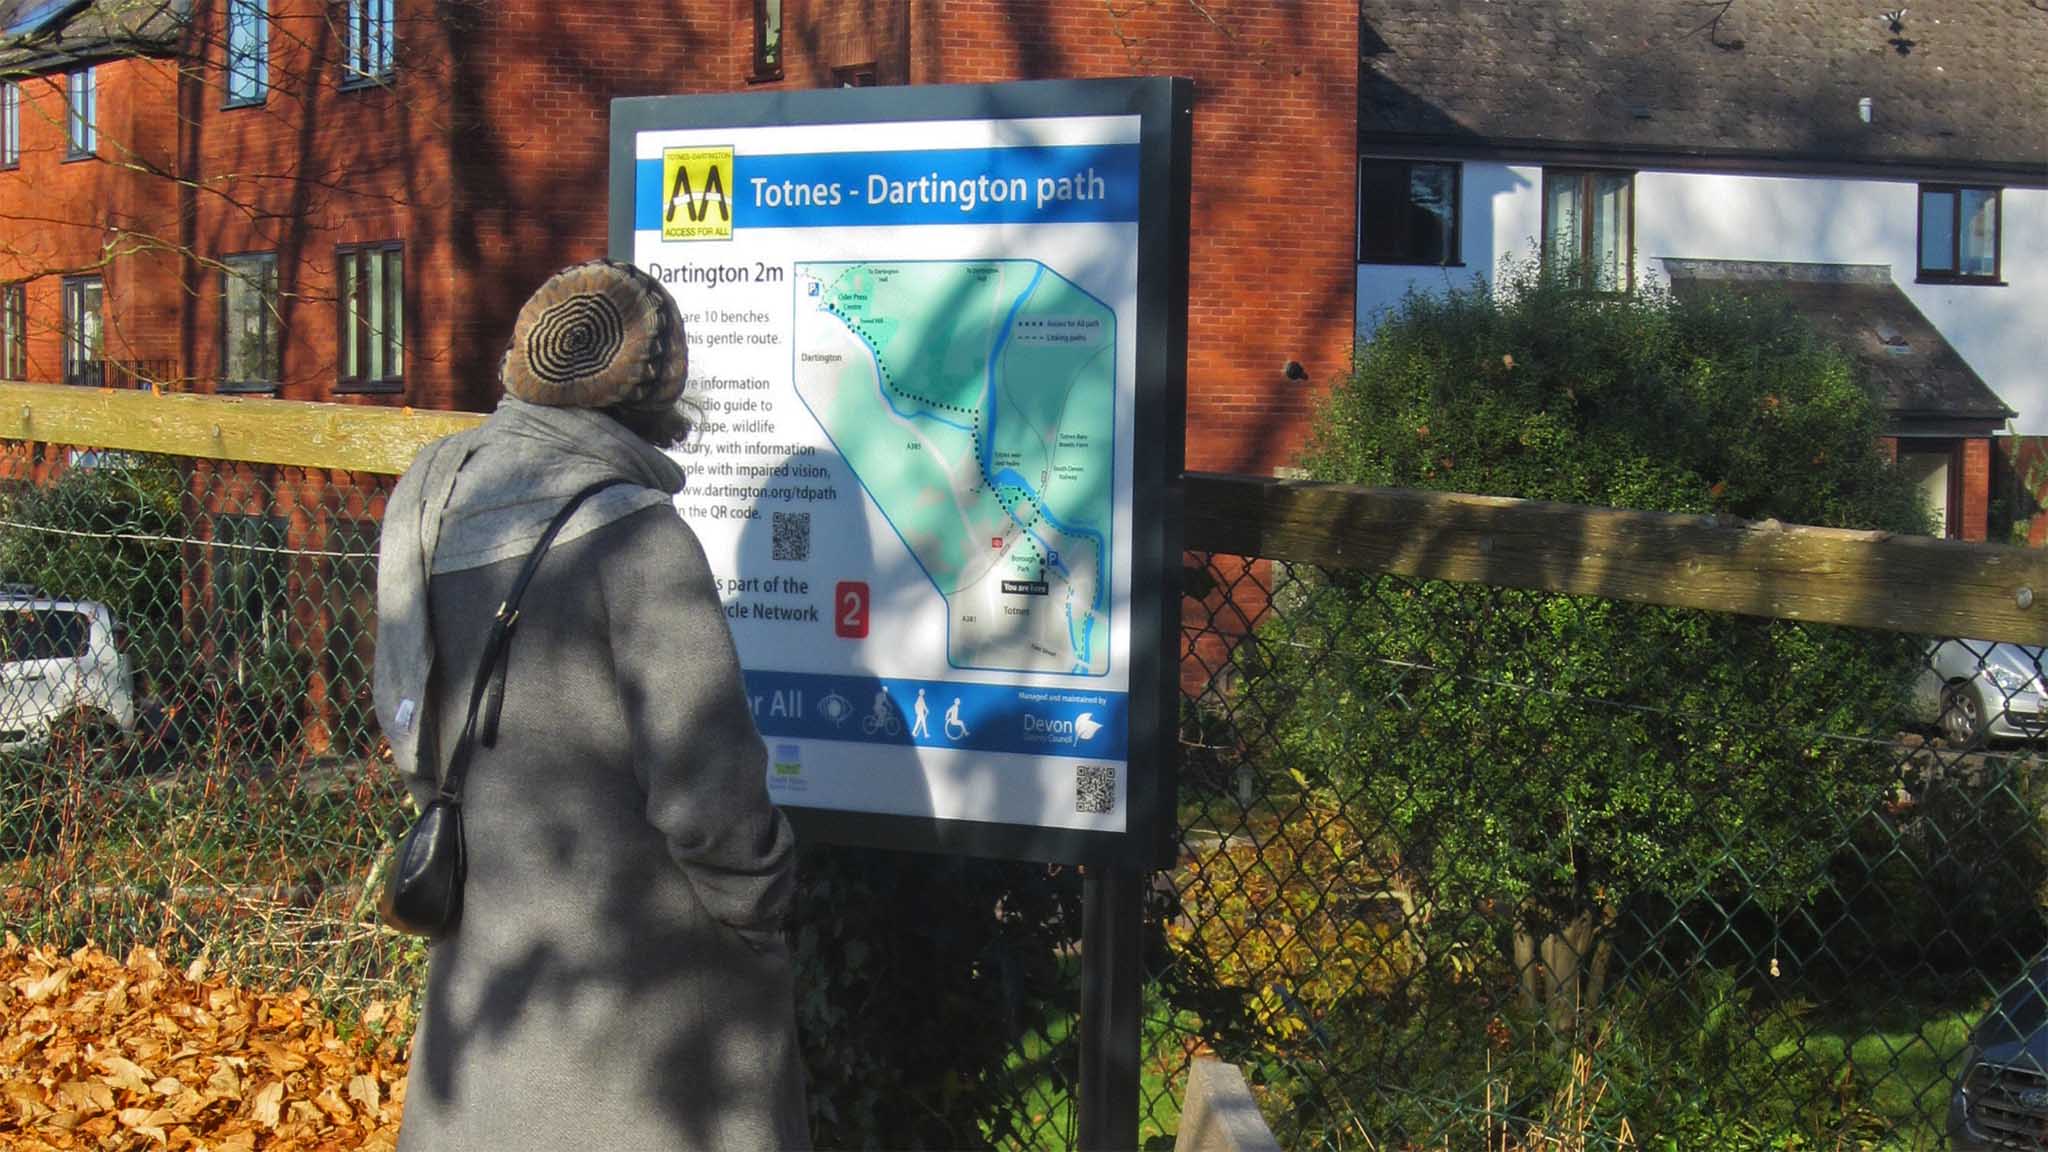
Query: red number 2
(851, 600)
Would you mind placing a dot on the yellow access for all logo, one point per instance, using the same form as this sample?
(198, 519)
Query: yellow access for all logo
(699, 203)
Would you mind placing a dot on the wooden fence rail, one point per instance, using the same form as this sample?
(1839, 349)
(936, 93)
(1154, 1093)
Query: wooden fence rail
(1821, 575)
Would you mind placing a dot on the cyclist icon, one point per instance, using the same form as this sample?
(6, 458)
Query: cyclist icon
(883, 719)
(954, 722)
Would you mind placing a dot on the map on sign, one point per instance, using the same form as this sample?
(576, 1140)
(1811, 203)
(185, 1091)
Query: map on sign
(976, 402)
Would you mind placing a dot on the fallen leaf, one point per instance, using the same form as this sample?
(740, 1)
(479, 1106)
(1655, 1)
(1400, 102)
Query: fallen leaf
(265, 1107)
(37, 990)
(364, 1091)
(125, 1075)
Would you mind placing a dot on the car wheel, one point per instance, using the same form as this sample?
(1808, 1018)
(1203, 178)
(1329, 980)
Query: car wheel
(1962, 714)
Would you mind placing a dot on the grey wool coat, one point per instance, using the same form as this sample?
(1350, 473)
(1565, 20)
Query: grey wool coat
(618, 979)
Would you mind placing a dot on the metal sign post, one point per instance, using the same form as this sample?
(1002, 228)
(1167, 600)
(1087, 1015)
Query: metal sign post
(1112, 988)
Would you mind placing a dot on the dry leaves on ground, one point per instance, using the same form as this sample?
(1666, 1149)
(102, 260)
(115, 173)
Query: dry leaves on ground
(98, 1054)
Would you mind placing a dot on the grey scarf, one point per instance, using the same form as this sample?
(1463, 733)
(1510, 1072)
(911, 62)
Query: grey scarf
(479, 497)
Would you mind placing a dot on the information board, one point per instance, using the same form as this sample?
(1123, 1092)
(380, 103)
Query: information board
(937, 336)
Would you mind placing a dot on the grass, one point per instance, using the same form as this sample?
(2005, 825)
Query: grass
(1044, 1064)
(1905, 1058)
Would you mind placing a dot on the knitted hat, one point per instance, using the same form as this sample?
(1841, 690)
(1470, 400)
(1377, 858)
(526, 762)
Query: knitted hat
(598, 335)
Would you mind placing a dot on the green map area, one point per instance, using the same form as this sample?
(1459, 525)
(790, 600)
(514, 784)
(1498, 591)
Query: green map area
(976, 402)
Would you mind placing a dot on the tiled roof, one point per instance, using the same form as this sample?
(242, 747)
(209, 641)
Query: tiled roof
(36, 33)
(1959, 83)
(1860, 309)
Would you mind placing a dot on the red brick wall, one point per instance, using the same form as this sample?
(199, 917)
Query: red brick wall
(488, 159)
(534, 81)
(106, 217)
(1273, 271)
(317, 165)
(1976, 488)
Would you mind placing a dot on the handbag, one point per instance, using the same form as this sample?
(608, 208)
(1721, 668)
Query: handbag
(422, 894)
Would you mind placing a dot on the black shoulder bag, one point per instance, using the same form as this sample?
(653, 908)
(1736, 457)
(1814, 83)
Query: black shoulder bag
(423, 886)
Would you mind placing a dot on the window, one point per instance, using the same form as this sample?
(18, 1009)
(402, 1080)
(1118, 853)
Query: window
(854, 76)
(81, 119)
(767, 39)
(249, 342)
(372, 317)
(85, 299)
(369, 41)
(1935, 468)
(248, 581)
(10, 124)
(13, 332)
(1407, 212)
(1589, 227)
(248, 52)
(1959, 234)
(44, 634)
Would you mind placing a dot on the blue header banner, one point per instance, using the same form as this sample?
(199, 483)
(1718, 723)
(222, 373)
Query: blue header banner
(1053, 185)
(939, 714)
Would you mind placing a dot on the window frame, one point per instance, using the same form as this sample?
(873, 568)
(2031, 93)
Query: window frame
(367, 59)
(78, 371)
(273, 331)
(77, 127)
(1407, 164)
(767, 59)
(1586, 177)
(345, 335)
(250, 582)
(14, 331)
(257, 54)
(1955, 274)
(10, 124)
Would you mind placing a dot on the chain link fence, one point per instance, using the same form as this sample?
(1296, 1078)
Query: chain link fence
(1480, 868)
(1461, 867)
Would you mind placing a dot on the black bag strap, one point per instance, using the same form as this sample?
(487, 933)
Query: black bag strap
(498, 645)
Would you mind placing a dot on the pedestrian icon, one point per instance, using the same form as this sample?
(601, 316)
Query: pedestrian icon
(922, 728)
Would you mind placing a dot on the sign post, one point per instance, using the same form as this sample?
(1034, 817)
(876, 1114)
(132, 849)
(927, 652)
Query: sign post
(938, 337)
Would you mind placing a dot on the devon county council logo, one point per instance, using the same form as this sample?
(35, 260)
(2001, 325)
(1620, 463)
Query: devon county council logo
(1085, 726)
(788, 760)
(696, 193)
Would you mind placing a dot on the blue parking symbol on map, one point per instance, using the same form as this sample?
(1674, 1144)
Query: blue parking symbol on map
(1052, 558)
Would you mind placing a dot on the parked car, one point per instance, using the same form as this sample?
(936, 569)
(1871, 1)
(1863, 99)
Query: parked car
(62, 670)
(2001, 1098)
(1978, 690)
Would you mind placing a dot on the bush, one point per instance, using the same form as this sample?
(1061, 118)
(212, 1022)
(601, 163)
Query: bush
(918, 977)
(1523, 765)
(1552, 754)
(118, 525)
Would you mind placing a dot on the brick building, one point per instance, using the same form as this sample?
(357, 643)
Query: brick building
(347, 200)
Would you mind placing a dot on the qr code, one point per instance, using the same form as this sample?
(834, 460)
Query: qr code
(792, 535)
(1094, 788)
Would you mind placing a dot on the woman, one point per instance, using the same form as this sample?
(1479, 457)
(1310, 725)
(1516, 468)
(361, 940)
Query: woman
(618, 978)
